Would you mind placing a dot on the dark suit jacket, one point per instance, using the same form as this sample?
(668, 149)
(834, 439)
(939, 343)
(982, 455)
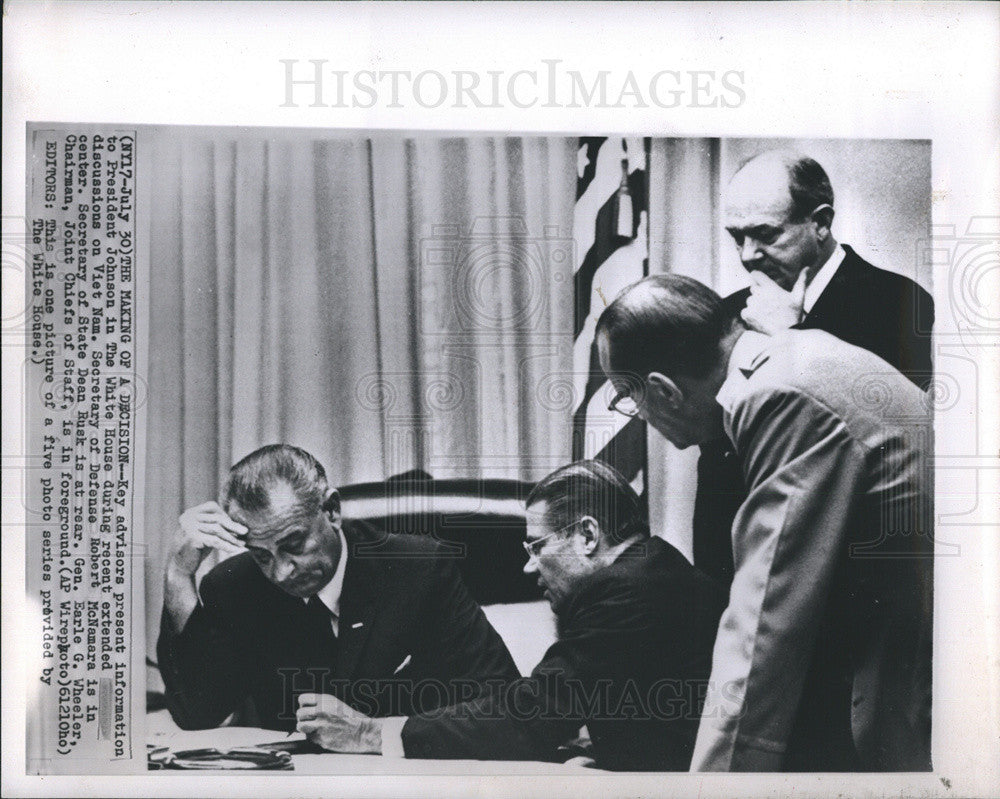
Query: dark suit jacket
(631, 662)
(884, 313)
(248, 639)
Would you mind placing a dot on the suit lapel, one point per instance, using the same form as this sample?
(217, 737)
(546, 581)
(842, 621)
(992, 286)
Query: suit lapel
(835, 303)
(358, 607)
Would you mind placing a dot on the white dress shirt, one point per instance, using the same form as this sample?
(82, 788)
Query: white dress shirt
(822, 278)
(330, 593)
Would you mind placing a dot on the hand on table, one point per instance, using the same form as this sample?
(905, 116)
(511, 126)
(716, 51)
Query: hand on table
(334, 725)
(770, 308)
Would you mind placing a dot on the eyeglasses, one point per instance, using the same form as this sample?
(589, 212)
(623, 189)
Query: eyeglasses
(624, 404)
(534, 547)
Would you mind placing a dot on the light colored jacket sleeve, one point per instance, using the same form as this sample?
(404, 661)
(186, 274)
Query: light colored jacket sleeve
(803, 471)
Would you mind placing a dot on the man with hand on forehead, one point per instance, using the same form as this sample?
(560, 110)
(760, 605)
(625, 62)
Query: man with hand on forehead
(313, 610)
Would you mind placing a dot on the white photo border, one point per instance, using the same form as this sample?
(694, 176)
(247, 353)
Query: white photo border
(832, 70)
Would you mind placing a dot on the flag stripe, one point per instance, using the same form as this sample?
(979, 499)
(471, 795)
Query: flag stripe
(590, 147)
(625, 266)
(606, 241)
(607, 176)
(608, 260)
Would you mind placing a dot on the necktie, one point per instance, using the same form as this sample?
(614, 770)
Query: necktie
(322, 640)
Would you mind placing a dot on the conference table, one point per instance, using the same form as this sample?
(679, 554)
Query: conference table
(528, 628)
(168, 736)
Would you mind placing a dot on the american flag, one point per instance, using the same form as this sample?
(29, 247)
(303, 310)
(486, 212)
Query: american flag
(610, 228)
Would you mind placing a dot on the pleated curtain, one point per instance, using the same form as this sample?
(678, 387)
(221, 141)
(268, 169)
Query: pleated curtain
(385, 303)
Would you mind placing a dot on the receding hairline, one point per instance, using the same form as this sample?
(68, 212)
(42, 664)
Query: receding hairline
(787, 155)
(806, 184)
(786, 158)
(595, 481)
(283, 510)
(281, 498)
(274, 465)
(666, 300)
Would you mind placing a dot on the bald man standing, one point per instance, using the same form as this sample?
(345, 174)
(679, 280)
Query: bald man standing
(779, 212)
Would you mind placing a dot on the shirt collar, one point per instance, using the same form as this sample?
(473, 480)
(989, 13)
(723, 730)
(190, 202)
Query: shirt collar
(330, 593)
(822, 278)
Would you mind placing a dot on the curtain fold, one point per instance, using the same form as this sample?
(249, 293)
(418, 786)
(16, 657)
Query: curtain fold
(683, 239)
(387, 303)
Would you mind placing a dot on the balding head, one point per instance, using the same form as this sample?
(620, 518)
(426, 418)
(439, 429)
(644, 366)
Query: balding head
(664, 344)
(779, 209)
(795, 180)
(664, 323)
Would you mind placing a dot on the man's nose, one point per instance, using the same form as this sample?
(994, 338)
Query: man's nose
(749, 250)
(281, 570)
(531, 567)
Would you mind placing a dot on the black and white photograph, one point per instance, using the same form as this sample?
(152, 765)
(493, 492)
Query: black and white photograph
(592, 456)
(393, 371)
(502, 348)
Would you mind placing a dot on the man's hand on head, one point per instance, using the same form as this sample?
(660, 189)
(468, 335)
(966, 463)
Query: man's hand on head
(202, 530)
(770, 308)
(336, 726)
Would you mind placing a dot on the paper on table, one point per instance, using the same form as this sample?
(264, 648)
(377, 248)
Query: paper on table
(225, 738)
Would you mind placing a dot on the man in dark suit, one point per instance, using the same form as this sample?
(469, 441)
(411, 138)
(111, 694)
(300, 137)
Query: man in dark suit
(312, 605)
(636, 624)
(779, 212)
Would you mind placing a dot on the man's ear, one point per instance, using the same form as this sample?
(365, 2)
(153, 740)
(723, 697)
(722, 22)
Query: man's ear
(664, 390)
(822, 217)
(590, 531)
(331, 505)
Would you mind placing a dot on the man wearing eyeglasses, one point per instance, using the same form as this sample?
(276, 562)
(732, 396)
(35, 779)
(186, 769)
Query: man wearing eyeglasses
(635, 621)
(825, 643)
(779, 213)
